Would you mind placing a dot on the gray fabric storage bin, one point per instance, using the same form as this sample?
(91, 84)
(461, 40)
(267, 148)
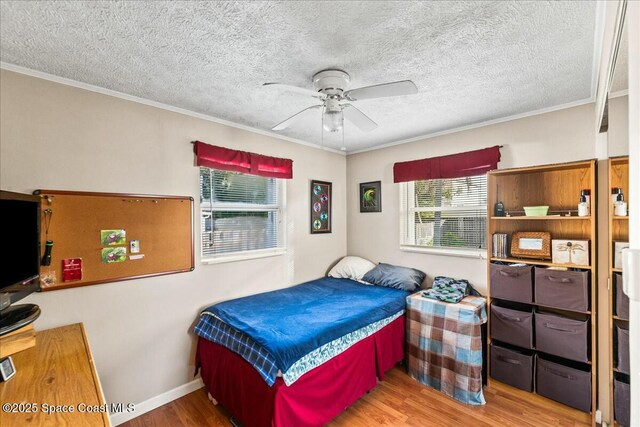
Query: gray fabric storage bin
(622, 300)
(512, 283)
(564, 384)
(562, 289)
(622, 403)
(512, 367)
(562, 336)
(512, 326)
(622, 352)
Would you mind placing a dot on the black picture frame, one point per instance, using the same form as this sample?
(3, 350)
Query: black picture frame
(371, 197)
(320, 207)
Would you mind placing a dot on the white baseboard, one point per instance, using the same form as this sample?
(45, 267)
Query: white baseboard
(156, 401)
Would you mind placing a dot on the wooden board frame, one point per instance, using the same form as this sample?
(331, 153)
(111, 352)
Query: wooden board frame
(78, 235)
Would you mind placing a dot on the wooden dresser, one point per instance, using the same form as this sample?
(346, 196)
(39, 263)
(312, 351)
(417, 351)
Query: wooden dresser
(56, 375)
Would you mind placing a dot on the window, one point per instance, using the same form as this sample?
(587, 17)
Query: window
(240, 214)
(444, 213)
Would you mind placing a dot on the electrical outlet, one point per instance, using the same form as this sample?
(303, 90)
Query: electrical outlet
(599, 417)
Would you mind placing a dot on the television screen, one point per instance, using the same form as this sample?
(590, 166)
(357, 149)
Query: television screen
(21, 254)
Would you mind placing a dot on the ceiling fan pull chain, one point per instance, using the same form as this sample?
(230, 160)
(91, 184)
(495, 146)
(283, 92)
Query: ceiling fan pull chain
(343, 147)
(322, 129)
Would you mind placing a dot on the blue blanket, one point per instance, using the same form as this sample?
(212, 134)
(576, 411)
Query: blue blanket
(291, 322)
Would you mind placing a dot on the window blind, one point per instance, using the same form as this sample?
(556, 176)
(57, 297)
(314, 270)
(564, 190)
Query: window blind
(444, 213)
(239, 213)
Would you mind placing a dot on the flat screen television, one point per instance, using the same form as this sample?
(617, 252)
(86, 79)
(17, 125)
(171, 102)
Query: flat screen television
(20, 260)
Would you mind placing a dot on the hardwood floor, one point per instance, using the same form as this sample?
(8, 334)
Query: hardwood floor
(396, 401)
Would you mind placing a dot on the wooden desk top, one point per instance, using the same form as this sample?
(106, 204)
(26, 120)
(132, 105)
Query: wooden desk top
(59, 370)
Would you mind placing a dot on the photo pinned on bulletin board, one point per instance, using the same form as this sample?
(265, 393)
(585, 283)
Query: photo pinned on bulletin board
(71, 269)
(113, 255)
(113, 237)
(47, 279)
(134, 246)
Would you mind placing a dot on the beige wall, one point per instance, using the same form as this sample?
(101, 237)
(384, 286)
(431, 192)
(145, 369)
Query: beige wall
(618, 132)
(59, 137)
(559, 136)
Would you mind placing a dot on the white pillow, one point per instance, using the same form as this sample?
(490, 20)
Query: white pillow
(351, 267)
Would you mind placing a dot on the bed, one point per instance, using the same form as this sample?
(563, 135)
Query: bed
(301, 355)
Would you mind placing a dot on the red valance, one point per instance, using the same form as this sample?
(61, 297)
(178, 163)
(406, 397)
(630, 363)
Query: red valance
(454, 166)
(226, 159)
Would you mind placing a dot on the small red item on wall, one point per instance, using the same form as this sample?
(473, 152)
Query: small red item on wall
(71, 269)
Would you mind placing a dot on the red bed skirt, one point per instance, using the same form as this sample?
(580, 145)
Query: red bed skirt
(316, 397)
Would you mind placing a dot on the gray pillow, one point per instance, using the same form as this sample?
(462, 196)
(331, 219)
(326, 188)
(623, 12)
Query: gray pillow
(394, 276)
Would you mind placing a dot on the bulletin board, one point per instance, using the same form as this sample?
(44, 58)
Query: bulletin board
(109, 237)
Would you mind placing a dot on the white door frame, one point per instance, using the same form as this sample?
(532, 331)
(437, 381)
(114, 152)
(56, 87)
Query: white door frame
(633, 260)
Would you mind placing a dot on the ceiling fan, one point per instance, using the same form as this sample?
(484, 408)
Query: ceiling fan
(331, 88)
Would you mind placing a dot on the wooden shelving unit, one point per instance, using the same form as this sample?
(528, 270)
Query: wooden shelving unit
(541, 218)
(618, 176)
(557, 186)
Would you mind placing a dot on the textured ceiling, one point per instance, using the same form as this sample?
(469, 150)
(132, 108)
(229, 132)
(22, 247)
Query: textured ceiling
(472, 61)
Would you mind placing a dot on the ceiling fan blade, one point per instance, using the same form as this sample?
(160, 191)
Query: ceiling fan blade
(358, 118)
(403, 87)
(295, 89)
(297, 116)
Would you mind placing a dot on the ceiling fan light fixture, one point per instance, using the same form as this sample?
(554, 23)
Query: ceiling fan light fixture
(332, 120)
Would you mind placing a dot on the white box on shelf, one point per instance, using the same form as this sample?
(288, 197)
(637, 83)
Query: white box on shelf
(617, 253)
(575, 252)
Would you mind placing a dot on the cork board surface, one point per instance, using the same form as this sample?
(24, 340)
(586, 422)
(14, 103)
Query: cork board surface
(88, 226)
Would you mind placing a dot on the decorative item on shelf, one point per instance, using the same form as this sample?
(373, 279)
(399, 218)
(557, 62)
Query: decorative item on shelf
(370, 197)
(536, 210)
(499, 246)
(575, 252)
(617, 253)
(586, 192)
(620, 206)
(614, 194)
(320, 207)
(498, 208)
(583, 206)
(531, 244)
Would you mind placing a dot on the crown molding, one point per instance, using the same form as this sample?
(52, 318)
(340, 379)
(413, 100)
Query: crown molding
(97, 89)
(619, 93)
(478, 125)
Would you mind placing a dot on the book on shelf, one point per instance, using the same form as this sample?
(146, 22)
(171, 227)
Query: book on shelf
(500, 245)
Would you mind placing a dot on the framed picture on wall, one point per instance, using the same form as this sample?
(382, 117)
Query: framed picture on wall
(370, 197)
(320, 207)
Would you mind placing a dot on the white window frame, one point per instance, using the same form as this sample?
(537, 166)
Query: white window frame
(281, 208)
(407, 212)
